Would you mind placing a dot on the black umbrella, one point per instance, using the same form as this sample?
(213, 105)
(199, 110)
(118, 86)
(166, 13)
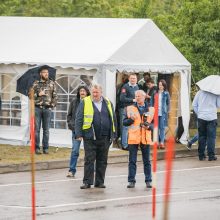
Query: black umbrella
(25, 82)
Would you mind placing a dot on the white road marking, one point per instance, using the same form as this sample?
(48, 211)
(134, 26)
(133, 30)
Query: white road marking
(116, 176)
(109, 200)
(39, 182)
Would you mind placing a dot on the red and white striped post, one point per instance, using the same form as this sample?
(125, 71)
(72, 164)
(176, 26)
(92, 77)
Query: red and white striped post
(170, 148)
(169, 162)
(32, 152)
(155, 140)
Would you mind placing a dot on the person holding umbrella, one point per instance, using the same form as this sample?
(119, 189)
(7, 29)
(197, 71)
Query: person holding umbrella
(205, 105)
(37, 84)
(45, 99)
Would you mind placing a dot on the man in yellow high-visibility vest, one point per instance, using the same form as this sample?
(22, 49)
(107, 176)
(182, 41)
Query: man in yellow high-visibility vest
(95, 124)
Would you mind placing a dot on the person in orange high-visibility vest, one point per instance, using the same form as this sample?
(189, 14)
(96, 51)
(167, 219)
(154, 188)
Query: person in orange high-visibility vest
(138, 119)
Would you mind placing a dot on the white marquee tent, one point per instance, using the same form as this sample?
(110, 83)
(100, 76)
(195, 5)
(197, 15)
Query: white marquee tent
(94, 47)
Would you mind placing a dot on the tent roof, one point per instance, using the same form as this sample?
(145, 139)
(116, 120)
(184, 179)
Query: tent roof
(72, 42)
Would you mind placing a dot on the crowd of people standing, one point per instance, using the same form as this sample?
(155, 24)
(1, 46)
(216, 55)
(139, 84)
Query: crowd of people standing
(127, 98)
(97, 124)
(93, 120)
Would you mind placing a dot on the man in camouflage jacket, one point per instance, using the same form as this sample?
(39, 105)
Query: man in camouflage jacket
(45, 98)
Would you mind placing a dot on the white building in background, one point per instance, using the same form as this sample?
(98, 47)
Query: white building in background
(82, 50)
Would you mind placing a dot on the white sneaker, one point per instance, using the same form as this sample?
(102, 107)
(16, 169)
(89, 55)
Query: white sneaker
(70, 174)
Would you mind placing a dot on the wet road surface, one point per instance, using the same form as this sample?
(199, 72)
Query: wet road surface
(195, 194)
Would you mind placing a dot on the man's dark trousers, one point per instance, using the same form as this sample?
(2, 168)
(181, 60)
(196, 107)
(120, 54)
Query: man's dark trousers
(132, 168)
(42, 115)
(95, 150)
(207, 136)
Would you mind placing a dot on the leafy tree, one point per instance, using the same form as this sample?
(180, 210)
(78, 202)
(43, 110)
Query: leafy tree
(192, 25)
(9, 7)
(132, 9)
(40, 8)
(194, 29)
(92, 8)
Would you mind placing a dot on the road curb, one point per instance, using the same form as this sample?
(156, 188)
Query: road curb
(112, 159)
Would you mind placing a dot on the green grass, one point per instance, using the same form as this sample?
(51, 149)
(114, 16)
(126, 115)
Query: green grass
(21, 154)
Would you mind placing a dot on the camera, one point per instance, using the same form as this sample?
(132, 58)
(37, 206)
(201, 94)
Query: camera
(145, 123)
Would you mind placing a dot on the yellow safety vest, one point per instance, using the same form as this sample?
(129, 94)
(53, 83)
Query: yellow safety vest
(89, 112)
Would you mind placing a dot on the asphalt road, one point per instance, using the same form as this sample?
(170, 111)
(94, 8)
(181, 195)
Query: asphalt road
(195, 194)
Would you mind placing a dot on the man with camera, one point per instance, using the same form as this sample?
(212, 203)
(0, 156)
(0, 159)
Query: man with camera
(138, 119)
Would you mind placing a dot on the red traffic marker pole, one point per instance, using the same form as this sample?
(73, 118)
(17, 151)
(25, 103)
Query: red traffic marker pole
(169, 162)
(155, 140)
(32, 152)
(175, 83)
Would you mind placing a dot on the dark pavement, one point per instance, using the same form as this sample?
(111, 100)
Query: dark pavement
(195, 194)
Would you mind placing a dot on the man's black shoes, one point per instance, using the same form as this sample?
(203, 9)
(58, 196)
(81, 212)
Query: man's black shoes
(85, 186)
(100, 186)
(131, 185)
(202, 158)
(124, 148)
(88, 186)
(148, 185)
(37, 151)
(213, 158)
(45, 151)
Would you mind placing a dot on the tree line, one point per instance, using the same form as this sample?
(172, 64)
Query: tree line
(193, 26)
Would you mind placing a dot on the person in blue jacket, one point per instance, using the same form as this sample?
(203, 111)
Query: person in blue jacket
(163, 110)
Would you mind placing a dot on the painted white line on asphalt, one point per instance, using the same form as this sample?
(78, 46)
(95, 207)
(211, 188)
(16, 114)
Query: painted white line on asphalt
(109, 200)
(190, 169)
(40, 182)
(118, 176)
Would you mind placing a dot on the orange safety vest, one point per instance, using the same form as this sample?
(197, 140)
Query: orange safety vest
(136, 133)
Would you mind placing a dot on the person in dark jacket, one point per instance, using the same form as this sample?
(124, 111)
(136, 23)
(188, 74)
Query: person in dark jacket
(127, 98)
(119, 104)
(143, 86)
(82, 92)
(96, 124)
(151, 91)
